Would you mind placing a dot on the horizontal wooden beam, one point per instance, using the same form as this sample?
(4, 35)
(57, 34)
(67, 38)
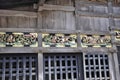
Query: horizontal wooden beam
(90, 3)
(53, 50)
(95, 32)
(18, 29)
(115, 27)
(116, 15)
(37, 30)
(92, 14)
(56, 7)
(52, 31)
(19, 50)
(18, 13)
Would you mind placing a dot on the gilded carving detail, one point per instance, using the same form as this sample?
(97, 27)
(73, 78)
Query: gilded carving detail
(59, 40)
(18, 39)
(117, 35)
(95, 40)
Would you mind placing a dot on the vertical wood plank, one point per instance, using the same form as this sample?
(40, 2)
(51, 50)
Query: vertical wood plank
(40, 67)
(38, 21)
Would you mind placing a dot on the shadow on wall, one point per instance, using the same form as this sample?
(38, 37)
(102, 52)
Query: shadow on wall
(6, 4)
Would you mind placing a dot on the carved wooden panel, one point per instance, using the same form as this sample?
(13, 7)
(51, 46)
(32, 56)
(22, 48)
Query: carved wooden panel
(10, 39)
(59, 40)
(95, 40)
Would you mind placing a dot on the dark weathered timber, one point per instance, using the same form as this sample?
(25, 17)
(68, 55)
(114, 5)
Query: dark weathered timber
(62, 16)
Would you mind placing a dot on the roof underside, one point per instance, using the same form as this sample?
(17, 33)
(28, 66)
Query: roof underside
(6, 4)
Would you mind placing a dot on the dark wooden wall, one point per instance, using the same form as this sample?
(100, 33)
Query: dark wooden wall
(86, 16)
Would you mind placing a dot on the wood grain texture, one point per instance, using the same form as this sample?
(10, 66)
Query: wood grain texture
(17, 22)
(92, 23)
(60, 2)
(84, 17)
(58, 20)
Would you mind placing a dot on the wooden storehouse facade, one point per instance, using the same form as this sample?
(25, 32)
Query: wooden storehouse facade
(59, 39)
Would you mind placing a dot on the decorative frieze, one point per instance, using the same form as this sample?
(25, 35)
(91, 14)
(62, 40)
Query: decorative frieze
(59, 40)
(95, 40)
(11, 39)
(26, 39)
